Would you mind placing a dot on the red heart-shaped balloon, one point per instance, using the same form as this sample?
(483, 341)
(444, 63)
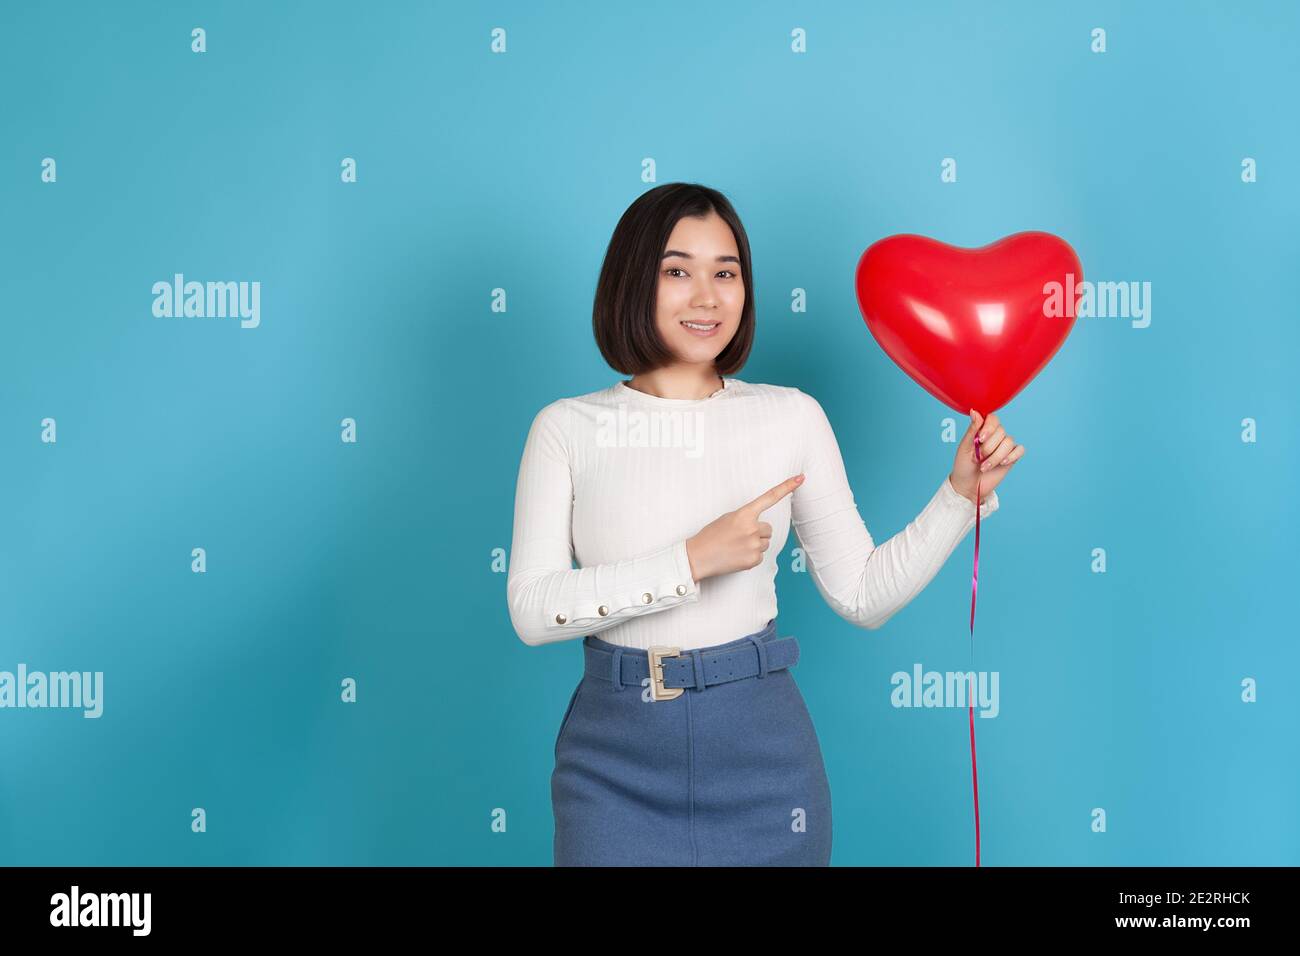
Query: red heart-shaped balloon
(971, 326)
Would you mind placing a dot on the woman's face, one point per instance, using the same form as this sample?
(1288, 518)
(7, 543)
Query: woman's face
(700, 284)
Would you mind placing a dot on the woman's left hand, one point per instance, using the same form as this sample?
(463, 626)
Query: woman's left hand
(998, 451)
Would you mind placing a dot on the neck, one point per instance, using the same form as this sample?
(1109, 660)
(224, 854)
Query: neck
(679, 381)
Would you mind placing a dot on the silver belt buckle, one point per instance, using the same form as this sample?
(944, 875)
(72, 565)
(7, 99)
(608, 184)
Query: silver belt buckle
(656, 657)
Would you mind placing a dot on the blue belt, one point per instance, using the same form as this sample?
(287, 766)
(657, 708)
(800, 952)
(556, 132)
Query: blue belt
(751, 656)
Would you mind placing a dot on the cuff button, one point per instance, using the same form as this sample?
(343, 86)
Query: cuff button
(603, 610)
(560, 619)
(681, 589)
(647, 597)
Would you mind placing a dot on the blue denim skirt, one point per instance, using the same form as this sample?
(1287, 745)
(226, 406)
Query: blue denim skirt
(727, 773)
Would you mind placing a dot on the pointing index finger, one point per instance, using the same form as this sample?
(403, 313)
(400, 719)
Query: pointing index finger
(774, 494)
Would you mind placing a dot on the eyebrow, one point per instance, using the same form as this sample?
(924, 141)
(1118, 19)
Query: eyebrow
(687, 255)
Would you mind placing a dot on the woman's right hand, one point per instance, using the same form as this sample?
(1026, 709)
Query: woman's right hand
(736, 541)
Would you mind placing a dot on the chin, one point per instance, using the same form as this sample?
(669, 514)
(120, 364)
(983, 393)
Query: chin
(696, 352)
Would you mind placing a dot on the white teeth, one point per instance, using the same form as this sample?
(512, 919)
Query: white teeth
(702, 328)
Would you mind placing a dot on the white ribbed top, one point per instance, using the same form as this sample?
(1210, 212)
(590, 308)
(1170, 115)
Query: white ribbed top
(617, 480)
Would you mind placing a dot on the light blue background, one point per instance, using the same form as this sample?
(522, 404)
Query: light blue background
(478, 171)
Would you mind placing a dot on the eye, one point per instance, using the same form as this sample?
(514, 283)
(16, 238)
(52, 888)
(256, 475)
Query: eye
(672, 269)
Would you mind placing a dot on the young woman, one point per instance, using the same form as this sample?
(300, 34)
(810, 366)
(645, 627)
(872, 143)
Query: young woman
(686, 741)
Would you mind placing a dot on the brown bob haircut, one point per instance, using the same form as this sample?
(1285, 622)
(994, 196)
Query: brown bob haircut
(623, 316)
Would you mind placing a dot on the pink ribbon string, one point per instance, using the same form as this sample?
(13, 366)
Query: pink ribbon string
(974, 584)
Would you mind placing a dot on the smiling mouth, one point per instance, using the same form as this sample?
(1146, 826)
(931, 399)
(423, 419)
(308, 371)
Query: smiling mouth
(701, 328)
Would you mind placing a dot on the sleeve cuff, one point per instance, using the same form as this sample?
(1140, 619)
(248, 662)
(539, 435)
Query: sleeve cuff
(665, 582)
(684, 566)
(957, 500)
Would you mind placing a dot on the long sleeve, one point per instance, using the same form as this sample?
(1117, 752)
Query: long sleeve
(865, 584)
(549, 599)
